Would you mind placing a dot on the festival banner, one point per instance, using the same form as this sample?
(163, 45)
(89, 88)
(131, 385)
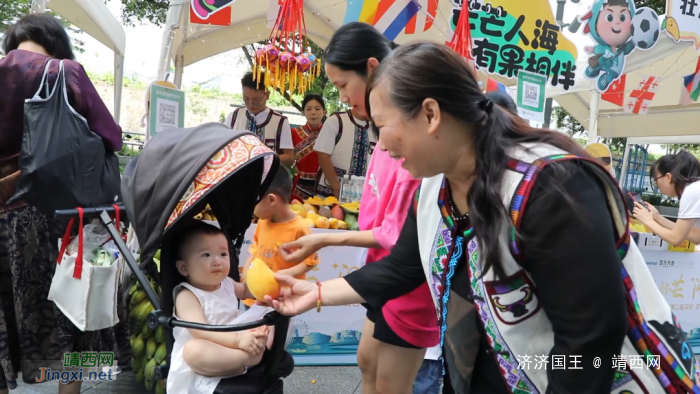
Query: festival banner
(530, 101)
(513, 35)
(332, 336)
(682, 21)
(617, 29)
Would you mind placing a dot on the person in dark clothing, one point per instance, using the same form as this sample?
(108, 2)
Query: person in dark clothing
(503, 99)
(480, 164)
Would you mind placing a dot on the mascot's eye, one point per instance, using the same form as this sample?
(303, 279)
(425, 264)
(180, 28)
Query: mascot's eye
(609, 17)
(623, 18)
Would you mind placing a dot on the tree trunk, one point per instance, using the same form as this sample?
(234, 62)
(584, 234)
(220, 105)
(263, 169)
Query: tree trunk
(284, 94)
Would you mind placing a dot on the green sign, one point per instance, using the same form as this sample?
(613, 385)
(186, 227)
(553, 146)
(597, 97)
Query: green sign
(166, 110)
(531, 96)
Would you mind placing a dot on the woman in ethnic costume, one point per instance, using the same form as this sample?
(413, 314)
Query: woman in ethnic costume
(523, 240)
(33, 332)
(394, 337)
(304, 139)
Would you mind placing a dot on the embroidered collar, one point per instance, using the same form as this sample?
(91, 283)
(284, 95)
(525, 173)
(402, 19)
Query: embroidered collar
(355, 121)
(309, 130)
(255, 118)
(446, 211)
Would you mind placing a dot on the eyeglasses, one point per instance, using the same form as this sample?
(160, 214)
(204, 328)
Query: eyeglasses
(254, 101)
(654, 183)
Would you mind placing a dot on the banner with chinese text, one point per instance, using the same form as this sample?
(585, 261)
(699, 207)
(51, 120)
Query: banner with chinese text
(332, 336)
(682, 21)
(513, 35)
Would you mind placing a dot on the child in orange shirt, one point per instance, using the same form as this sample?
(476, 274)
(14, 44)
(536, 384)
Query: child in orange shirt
(278, 225)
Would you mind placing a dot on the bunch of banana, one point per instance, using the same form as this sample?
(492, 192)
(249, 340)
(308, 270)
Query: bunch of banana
(147, 346)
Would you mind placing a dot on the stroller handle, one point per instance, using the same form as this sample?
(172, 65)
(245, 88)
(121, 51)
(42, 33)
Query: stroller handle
(157, 318)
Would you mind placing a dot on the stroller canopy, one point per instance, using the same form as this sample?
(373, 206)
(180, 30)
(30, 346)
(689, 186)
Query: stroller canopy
(179, 171)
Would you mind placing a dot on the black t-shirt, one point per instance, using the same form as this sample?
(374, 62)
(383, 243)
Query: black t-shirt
(569, 252)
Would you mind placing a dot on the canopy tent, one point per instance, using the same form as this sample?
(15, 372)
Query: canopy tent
(669, 61)
(185, 43)
(94, 18)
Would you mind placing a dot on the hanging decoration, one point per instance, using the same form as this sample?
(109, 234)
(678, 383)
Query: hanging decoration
(640, 98)
(616, 92)
(286, 60)
(462, 38)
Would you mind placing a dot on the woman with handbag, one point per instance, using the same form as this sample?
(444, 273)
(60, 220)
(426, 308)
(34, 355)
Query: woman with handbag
(32, 329)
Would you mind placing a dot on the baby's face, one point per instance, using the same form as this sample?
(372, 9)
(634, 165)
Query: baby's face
(207, 262)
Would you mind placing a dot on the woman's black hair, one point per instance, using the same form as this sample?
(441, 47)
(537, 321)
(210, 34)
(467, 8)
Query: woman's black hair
(683, 167)
(421, 70)
(503, 99)
(42, 29)
(313, 97)
(355, 43)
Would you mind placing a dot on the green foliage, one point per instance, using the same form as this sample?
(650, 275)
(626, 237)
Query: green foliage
(138, 11)
(657, 5)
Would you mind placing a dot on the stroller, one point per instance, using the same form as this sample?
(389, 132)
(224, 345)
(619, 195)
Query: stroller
(178, 173)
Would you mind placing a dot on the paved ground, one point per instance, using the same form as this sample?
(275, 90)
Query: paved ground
(336, 380)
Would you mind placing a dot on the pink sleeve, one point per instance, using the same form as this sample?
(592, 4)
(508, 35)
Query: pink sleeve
(395, 214)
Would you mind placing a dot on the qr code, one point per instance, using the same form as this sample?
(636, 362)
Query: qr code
(531, 94)
(167, 114)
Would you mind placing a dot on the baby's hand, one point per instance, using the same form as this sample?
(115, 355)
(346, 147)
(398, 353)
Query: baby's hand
(262, 332)
(249, 342)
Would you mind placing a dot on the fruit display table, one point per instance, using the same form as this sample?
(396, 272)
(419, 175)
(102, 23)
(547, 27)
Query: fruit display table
(332, 336)
(676, 271)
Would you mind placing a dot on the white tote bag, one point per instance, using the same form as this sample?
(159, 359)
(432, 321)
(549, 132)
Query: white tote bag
(85, 293)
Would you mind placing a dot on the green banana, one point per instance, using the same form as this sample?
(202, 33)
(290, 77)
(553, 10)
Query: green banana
(136, 363)
(159, 334)
(141, 311)
(133, 288)
(160, 388)
(160, 354)
(132, 339)
(146, 332)
(149, 371)
(151, 348)
(139, 375)
(157, 255)
(137, 297)
(138, 347)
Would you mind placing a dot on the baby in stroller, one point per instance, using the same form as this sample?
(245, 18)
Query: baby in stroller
(200, 359)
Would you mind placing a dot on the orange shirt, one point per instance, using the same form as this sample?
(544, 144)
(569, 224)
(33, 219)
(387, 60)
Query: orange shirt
(269, 236)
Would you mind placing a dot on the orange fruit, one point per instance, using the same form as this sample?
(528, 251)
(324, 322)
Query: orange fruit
(322, 222)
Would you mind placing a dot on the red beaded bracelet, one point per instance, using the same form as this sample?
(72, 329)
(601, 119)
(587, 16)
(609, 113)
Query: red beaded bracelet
(318, 302)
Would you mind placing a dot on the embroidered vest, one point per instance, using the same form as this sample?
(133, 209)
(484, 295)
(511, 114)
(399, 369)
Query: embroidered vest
(509, 309)
(268, 131)
(354, 146)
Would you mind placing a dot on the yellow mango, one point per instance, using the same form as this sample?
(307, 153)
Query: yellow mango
(342, 225)
(261, 280)
(310, 222)
(333, 223)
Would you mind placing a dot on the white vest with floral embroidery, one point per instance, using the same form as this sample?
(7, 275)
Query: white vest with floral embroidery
(517, 326)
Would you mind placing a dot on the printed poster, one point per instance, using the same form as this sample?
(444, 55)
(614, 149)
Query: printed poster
(514, 35)
(682, 21)
(677, 274)
(530, 96)
(167, 109)
(332, 336)
(617, 28)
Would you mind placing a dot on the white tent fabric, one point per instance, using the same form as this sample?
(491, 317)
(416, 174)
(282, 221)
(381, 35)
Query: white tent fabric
(249, 24)
(94, 18)
(669, 61)
(670, 140)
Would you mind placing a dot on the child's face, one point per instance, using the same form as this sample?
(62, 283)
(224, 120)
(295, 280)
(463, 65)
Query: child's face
(268, 207)
(255, 100)
(206, 261)
(614, 25)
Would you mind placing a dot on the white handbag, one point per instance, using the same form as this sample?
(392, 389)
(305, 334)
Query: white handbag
(85, 293)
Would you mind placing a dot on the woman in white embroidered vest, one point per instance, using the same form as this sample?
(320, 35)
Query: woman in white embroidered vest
(523, 240)
(395, 336)
(271, 127)
(675, 175)
(345, 144)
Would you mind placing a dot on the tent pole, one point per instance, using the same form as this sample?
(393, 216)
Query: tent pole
(625, 159)
(38, 6)
(118, 79)
(179, 59)
(593, 122)
(165, 53)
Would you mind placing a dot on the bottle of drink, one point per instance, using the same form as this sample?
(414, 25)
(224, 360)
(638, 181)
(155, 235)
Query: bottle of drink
(344, 188)
(360, 186)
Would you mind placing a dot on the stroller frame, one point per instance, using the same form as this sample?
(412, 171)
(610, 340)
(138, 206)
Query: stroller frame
(269, 377)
